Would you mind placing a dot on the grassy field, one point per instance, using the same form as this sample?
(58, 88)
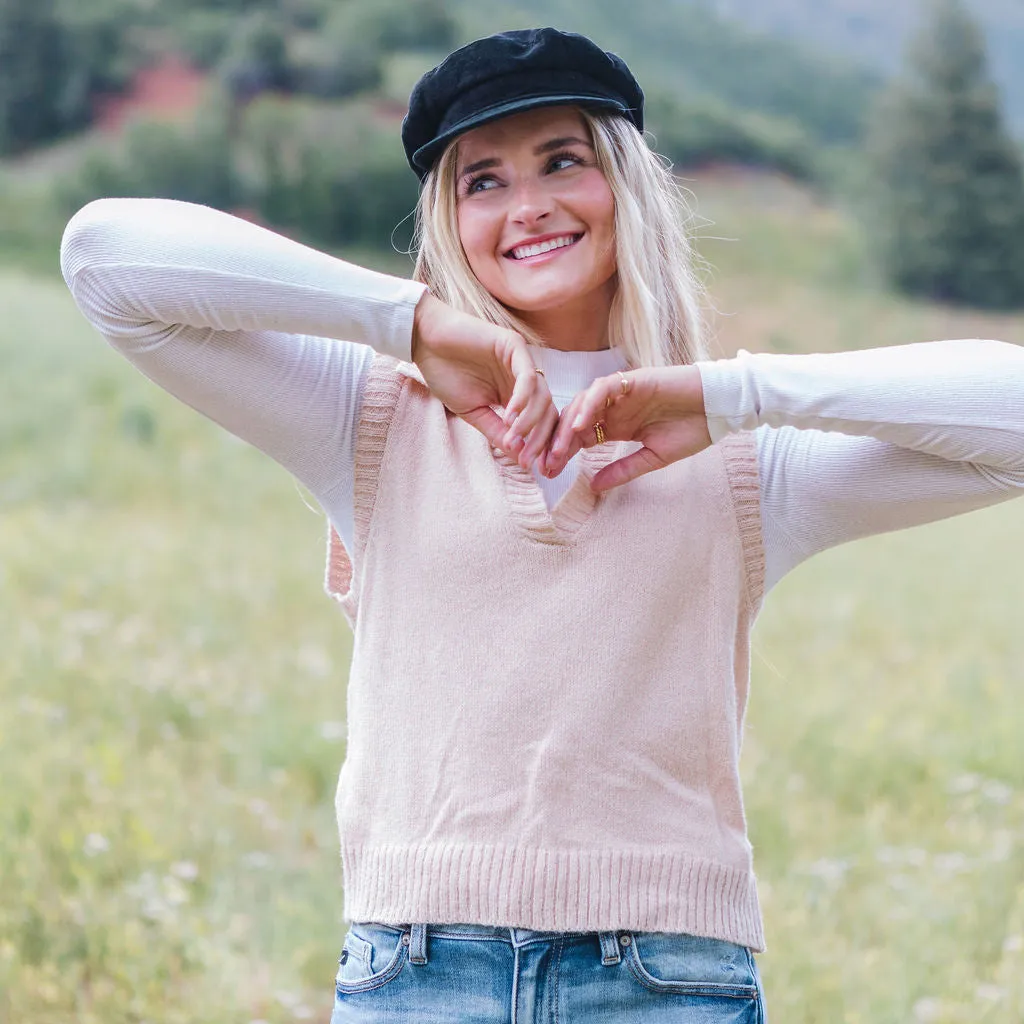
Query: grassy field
(172, 696)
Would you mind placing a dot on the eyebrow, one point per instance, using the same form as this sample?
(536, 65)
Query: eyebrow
(545, 147)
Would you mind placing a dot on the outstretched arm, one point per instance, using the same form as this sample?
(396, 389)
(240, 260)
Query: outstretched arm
(857, 443)
(849, 443)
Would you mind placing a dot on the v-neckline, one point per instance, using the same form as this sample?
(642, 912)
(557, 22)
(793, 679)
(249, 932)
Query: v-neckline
(563, 523)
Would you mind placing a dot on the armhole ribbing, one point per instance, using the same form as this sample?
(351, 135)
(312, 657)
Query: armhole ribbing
(381, 391)
(740, 454)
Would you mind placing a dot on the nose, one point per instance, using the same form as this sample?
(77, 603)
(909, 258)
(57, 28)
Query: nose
(530, 202)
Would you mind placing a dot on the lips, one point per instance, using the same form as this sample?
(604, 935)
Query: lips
(542, 246)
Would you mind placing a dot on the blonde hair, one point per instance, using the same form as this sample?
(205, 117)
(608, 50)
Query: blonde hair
(655, 317)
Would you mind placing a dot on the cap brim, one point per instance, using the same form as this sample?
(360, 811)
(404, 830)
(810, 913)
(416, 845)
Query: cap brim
(424, 157)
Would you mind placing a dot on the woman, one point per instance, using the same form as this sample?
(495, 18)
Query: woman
(553, 522)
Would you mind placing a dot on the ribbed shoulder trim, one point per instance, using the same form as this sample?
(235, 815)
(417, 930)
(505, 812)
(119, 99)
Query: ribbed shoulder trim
(381, 391)
(740, 454)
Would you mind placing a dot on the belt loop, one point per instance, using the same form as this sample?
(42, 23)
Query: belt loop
(609, 948)
(418, 944)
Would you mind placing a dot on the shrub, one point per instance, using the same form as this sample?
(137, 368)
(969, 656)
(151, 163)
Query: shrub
(329, 67)
(334, 174)
(193, 162)
(699, 131)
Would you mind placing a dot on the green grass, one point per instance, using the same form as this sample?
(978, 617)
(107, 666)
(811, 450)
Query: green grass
(172, 697)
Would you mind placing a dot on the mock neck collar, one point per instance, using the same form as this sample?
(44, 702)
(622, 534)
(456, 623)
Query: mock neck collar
(569, 372)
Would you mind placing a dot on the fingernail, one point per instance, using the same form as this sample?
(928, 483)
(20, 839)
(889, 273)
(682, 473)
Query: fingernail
(578, 422)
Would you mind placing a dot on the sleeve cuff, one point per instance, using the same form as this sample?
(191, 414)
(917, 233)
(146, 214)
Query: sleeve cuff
(730, 400)
(394, 336)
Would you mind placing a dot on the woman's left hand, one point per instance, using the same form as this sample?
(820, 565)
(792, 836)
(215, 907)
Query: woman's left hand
(661, 407)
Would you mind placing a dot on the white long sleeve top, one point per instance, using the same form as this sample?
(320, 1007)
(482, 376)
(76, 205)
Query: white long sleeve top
(273, 340)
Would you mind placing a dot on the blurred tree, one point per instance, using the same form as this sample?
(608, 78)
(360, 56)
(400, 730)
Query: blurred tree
(947, 180)
(334, 61)
(390, 25)
(33, 49)
(54, 56)
(256, 58)
(333, 173)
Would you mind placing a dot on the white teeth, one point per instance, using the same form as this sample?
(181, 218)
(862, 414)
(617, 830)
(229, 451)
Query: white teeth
(535, 250)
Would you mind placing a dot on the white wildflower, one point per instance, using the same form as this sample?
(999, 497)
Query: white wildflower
(334, 730)
(1003, 843)
(258, 806)
(95, 844)
(829, 870)
(186, 870)
(997, 792)
(965, 783)
(951, 863)
(314, 660)
(86, 622)
(927, 1009)
(990, 993)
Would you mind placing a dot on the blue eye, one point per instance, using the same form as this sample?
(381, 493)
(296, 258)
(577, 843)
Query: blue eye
(560, 160)
(478, 184)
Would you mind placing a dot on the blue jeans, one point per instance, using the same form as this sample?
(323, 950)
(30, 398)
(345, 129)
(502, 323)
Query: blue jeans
(479, 974)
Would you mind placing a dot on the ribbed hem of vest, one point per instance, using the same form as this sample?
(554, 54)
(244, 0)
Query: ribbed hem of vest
(381, 391)
(740, 452)
(551, 890)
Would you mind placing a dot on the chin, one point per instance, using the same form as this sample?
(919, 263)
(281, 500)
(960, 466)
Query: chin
(544, 301)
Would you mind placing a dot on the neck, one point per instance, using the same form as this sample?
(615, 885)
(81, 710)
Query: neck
(579, 326)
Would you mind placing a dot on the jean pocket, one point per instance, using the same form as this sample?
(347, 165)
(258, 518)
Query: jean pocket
(674, 962)
(371, 956)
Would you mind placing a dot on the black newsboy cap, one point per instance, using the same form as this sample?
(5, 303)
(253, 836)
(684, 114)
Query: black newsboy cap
(508, 73)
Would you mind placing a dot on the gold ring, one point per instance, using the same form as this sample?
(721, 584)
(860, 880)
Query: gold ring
(599, 430)
(537, 369)
(625, 382)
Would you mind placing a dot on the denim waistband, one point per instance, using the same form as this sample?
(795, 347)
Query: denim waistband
(609, 940)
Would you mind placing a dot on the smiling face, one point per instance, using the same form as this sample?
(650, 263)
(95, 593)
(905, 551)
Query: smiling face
(536, 218)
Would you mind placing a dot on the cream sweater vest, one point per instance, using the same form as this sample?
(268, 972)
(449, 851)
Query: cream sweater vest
(545, 709)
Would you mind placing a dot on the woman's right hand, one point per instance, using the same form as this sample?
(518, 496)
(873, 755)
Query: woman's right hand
(471, 365)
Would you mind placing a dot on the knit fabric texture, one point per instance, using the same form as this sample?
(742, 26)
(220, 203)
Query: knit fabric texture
(545, 708)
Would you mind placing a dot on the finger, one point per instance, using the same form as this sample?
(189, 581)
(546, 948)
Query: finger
(489, 423)
(563, 443)
(539, 407)
(585, 438)
(526, 381)
(625, 469)
(594, 404)
(538, 439)
(555, 464)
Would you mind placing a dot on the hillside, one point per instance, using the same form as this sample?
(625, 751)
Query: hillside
(875, 32)
(331, 50)
(697, 52)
